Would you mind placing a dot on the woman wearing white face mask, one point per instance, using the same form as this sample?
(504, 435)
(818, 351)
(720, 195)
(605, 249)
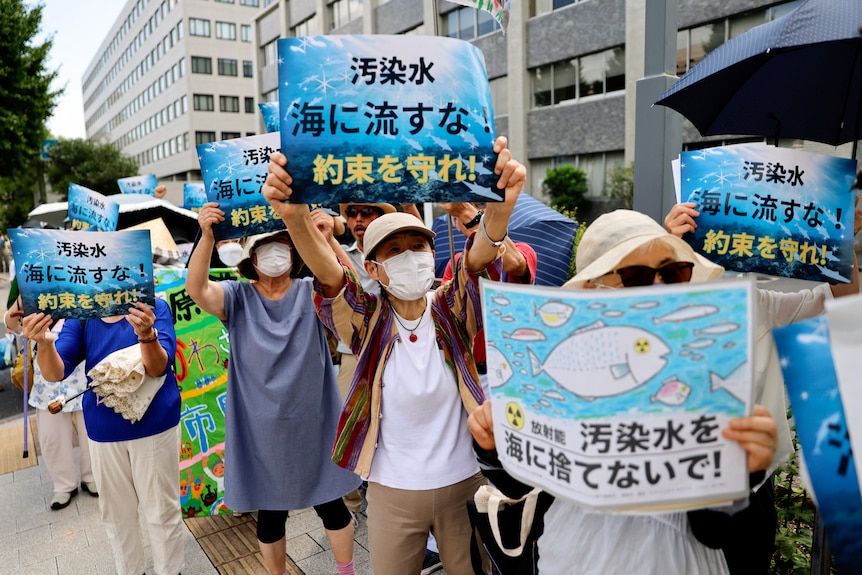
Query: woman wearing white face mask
(403, 423)
(282, 399)
(229, 252)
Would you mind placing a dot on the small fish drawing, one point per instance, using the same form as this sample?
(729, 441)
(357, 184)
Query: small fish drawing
(554, 394)
(499, 370)
(508, 318)
(645, 305)
(500, 300)
(554, 313)
(686, 313)
(717, 328)
(599, 360)
(685, 352)
(525, 334)
(496, 312)
(729, 345)
(545, 402)
(596, 305)
(700, 343)
(672, 392)
(612, 313)
(696, 357)
(735, 383)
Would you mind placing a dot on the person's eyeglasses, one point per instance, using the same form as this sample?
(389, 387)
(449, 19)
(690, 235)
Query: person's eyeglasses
(672, 273)
(366, 211)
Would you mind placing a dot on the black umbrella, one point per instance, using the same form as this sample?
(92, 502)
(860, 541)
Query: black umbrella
(799, 76)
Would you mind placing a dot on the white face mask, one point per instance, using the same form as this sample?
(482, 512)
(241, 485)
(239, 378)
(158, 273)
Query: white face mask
(230, 253)
(411, 274)
(273, 259)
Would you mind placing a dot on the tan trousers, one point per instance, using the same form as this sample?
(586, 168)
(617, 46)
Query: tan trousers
(399, 521)
(142, 474)
(56, 440)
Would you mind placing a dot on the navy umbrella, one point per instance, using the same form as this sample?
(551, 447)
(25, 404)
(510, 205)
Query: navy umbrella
(796, 77)
(548, 232)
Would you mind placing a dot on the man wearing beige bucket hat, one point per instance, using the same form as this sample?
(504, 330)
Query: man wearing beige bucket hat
(416, 378)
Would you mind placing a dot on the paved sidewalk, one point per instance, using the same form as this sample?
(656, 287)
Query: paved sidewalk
(34, 540)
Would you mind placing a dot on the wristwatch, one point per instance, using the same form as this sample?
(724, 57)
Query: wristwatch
(151, 339)
(475, 221)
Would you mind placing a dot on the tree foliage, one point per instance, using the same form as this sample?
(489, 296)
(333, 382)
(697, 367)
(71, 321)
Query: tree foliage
(26, 99)
(566, 187)
(91, 164)
(620, 184)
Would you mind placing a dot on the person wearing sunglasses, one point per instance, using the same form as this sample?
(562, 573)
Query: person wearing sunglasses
(628, 249)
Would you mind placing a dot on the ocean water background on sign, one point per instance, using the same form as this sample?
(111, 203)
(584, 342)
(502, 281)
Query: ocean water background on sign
(194, 196)
(269, 112)
(806, 360)
(827, 183)
(526, 330)
(316, 70)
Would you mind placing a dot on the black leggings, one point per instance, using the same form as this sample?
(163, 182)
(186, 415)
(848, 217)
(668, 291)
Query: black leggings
(271, 528)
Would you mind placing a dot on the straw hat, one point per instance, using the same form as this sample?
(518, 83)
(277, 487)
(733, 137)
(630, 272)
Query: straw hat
(613, 236)
(163, 244)
(389, 224)
(245, 265)
(387, 208)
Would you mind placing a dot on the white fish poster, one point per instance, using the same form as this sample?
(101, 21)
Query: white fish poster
(823, 422)
(139, 184)
(90, 210)
(269, 112)
(615, 399)
(386, 119)
(78, 275)
(194, 196)
(234, 172)
(772, 210)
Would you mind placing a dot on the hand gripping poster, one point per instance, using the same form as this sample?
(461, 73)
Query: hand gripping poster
(772, 210)
(823, 386)
(90, 210)
(69, 274)
(200, 364)
(615, 399)
(386, 119)
(234, 172)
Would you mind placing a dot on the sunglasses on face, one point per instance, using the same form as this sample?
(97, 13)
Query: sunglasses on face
(366, 211)
(672, 273)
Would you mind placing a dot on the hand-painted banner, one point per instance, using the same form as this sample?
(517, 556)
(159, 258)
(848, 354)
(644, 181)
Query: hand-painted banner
(386, 119)
(772, 210)
(139, 184)
(201, 367)
(615, 399)
(269, 111)
(77, 275)
(822, 426)
(499, 9)
(89, 209)
(234, 172)
(194, 196)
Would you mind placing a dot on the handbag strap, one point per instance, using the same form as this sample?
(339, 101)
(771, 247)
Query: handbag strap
(495, 500)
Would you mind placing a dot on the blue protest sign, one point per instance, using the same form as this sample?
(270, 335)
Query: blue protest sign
(45, 149)
(90, 210)
(772, 210)
(234, 172)
(75, 275)
(194, 196)
(269, 111)
(386, 119)
(139, 184)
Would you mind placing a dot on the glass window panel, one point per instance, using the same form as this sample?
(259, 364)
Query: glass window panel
(542, 86)
(591, 77)
(452, 24)
(681, 52)
(744, 22)
(562, 3)
(539, 7)
(784, 9)
(487, 24)
(565, 81)
(704, 39)
(615, 69)
(467, 30)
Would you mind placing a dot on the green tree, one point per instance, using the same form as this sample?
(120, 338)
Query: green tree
(566, 187)
(620, 184)
(91, 164)
(26, 99)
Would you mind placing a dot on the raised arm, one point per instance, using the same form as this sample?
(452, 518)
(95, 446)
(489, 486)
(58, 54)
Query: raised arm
(206, 293)
(495, 223)
(312, 246)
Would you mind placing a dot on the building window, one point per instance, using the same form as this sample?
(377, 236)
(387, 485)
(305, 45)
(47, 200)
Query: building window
(500, 96)
(204, 137)
(230, 135)
(199, 27)
(252, 3)
(467, 23)
(343, 11)
(225, 1)
(203, 102)
(228, 103)
(247, 68)
(227, 67)
(270, 53)
(592, 75)
(306, 27)
(201, 65)
(245, 32)
(538, 7)
(271, 96)
(226, 30)
(180, 30)
(249, 105)
(596, 167)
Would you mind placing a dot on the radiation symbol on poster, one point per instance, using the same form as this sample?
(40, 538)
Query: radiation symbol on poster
(514, 415)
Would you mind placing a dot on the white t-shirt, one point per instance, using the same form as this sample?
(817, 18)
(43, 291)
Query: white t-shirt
(424, 442)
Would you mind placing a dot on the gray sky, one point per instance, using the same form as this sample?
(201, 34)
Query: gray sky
(78, 27)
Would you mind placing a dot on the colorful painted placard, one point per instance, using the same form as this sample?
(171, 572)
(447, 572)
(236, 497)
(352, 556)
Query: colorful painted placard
(772, 210)
(234, 172)
(386, 118)
(81, 276)
(90, 210)
(269, 111)
(615, 399)
(194, 196)
(139, 184)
